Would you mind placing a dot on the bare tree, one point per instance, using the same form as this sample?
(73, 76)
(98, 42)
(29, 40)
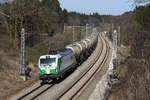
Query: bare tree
(136, 2)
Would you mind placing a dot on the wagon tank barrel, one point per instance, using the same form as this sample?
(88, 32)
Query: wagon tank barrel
(58, 61)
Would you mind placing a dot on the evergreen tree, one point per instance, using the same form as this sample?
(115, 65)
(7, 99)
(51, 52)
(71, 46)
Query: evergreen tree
(142, 16)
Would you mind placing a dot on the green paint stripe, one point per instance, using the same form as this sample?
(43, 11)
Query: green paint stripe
(42, 72)
(52, 71)
(48, 71)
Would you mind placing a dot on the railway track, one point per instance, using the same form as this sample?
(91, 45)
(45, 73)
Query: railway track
(72, 86)
(33, 92)
(81, 84)
(90, 86)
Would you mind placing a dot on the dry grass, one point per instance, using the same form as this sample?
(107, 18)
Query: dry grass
(134, 81)
(10, 81)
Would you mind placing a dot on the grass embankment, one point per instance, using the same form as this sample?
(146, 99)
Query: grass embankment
(10, 81)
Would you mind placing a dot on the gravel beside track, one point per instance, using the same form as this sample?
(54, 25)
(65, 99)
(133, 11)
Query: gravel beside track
(58, 90)
(68, 88)
(84, 80)
(90, 86)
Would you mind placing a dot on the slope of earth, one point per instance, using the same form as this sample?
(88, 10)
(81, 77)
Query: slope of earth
(134, 80)
(10, 81)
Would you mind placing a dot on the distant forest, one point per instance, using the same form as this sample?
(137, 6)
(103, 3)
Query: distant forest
(46, 16)
(40, 16)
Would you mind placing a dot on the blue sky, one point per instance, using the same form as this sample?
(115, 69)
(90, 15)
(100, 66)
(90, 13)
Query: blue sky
(113, 7)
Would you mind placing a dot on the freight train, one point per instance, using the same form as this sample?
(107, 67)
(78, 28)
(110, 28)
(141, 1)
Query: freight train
(56, 64)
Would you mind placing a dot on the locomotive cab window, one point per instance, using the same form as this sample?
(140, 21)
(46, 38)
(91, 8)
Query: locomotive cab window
(48, 61)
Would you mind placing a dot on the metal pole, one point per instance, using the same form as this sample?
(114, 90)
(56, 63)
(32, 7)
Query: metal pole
(119, 40)
(86, 30)
(23, 55)
(64, 27)
(115, 48)
(90, 29)
(112, 28)
(80, 33)
(73, 33)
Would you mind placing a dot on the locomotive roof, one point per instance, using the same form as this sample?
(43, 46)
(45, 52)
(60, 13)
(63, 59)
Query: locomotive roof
(65, 52)
(62, 51)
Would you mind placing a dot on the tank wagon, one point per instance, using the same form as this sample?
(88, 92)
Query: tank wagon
(57, 63)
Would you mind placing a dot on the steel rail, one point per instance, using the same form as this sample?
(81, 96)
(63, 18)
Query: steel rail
(80, 84)
(31, 93)
(104, 63)
(59, 89)
(37, 92)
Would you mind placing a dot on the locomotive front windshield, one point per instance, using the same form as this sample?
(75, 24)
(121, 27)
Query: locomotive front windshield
(48, 61)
